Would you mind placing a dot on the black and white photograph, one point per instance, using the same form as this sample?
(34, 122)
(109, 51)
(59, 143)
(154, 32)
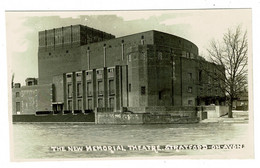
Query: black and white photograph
(130, 84)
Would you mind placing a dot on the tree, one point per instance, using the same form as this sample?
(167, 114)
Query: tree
(230, 54)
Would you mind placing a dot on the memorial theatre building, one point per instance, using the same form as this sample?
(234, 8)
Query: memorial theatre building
(81, 69)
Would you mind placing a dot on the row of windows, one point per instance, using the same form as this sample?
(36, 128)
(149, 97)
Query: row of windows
(89, 88)
(90, 103)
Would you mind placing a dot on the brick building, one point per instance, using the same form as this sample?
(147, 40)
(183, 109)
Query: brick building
(81, 69)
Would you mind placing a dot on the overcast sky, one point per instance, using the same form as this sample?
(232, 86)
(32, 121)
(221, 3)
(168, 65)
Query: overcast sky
(198, 26)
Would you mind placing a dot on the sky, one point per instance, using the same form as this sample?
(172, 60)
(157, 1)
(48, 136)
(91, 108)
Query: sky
(198, 26)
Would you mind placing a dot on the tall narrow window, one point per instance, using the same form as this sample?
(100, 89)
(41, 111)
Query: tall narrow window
(111, 87)
(190, 76)
(17, 94)
(90, 107)
(79, 89)
(89, 89)
(142, 90)
(160, 95)
(70, 90)
(129, 88)
(200, 76)
(18, 106)
(79, 104)
(100, 103)
(100, 88)
(70, 105)
(111, 102)
(142, 40)
(190, 102)
(189, 89)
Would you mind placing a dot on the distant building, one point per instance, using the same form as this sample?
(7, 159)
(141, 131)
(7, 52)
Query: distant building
(81, 69)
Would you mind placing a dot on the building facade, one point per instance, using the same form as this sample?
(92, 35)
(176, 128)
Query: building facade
(86, 69)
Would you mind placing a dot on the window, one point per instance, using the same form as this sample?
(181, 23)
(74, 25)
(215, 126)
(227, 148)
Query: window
(78, 75)
(142, 90)
(79, 89)
(110, 70)
(190, 102)
(99, 72)
(100, 103)
(111, 87)
(189, 89)
(142, 40)
(70, 90)
(111, 102)
(200, 75)
(79, 104)
(160, 95)
(17, 94)
(70, 105)
(89, 89)
(190, 76)
(129, 88)
(18, 107)
(30, 83)
(100, 87)
(90, 104)
(69, 77)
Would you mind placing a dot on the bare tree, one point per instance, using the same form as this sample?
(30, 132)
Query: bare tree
(230, 54)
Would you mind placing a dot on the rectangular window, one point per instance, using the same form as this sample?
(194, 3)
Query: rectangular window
(190, 76)
(111, 87)
(79, 104)
(160, 95)
(70, 105)
(111, 102)
(78, 76)
(200, 75)
(190, 102)
(100, 103)
(18, 106)
(99, 72)
(89, 89)
(69, 78)
(70, 90)
(90, 104)
(17, 94)
(189, 89)
(100, 88)
(142, 90)
(110, 70)
(129, 87)
(30, 83)
(79, 90)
